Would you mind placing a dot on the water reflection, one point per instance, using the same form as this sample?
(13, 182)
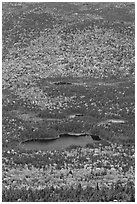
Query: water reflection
(57, 144)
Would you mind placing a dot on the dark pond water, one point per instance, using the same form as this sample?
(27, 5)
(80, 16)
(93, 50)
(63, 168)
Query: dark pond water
(62, 83)
(56, 144)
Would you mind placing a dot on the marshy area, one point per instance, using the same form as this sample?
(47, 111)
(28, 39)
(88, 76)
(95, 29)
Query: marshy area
(68, 102)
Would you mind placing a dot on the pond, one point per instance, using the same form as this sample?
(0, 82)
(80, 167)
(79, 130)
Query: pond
(59, 143)
(116, 121)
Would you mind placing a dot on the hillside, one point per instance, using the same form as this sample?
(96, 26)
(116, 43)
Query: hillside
(68, 68)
